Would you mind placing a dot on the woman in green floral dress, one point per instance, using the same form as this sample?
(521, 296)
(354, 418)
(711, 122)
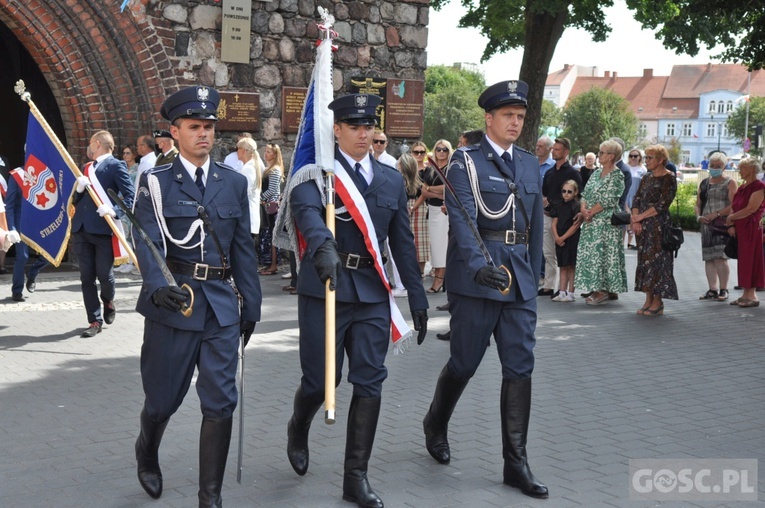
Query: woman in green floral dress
(600, 266)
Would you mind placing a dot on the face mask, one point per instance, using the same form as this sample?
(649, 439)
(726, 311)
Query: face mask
(715, 172)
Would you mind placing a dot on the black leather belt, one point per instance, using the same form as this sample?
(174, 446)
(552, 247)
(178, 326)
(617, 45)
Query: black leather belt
(355, 261)
(507, 237)
(199, 271)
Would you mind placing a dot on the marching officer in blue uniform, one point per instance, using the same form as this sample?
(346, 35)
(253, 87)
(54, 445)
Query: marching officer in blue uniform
(501, 190)
(363, 303)
(196, 213)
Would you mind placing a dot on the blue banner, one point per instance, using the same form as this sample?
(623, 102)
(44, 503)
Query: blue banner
(46, 184)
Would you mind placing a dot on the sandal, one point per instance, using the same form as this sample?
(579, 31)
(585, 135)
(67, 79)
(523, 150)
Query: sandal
(268, 272)
(735, 302)
(597, 299)
(641, 311)
(746, 302)
(723, 295)
(439, 288)
(655, 312)
(710, 295)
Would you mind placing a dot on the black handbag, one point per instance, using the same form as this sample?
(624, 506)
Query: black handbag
(731, 247)
(671, 235)
(718, 226)
(620, 218)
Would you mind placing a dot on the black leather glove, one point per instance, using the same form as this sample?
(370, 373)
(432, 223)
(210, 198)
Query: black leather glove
(327, 263)
(420, 319)
(169, 297)
(245, 330)
(492, 277)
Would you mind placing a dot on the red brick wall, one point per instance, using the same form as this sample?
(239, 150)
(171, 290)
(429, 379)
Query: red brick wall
(108, 70)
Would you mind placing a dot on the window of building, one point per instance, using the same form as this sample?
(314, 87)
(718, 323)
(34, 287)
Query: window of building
(721, 107)
(725, 132)
(711, 130)
(729, 106)
(685, 157)
(642, 130)
(712, 106)
(687, 130)
(670, 129)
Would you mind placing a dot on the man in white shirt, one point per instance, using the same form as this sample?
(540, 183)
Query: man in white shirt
(145, 148)
(379, 144)
(232, 159)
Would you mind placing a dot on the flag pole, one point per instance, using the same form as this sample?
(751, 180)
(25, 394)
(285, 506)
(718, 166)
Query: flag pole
(330, 307)
(21, 89)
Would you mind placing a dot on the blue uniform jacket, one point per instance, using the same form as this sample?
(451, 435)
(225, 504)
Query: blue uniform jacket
(13, 200)
(463, 256)
(386, 200)
(112, 173)
(226, 203)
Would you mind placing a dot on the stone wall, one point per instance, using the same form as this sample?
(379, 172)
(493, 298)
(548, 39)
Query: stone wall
(111, 70)
(376, 38)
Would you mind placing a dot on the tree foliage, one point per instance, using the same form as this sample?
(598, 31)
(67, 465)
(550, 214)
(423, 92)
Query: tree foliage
(552, 116)
(537, 26)
(596, 115)
(737, 119)
(451, 103)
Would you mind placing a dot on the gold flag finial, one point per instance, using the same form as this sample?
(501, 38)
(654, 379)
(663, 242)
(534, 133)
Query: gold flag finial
(21, 89)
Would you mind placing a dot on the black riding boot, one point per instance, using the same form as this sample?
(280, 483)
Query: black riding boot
(362, 425)
(214, 440)
(305, 409)
(515, 407)
(436, 422)
(147, 454)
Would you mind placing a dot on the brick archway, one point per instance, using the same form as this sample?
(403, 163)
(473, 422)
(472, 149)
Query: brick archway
(107, 70)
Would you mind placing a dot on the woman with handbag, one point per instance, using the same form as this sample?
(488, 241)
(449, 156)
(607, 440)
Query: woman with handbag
(650, 216)
(712, 205)
(744, 224)
(600, 268)
(270, 195)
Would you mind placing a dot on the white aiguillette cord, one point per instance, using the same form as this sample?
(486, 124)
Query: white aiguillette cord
(156, 196)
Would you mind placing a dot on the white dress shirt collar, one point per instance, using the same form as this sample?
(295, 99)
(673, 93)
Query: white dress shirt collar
(192, 169)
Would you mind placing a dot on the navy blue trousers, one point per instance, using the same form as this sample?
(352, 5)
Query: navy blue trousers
(95, 256)
(363, 333)
(475, 320)
(169, 357)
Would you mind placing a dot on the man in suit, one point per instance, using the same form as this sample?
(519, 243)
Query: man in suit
(196, 210)
(365, 308)
(92, 234)
(507, 212)
(166, 146)
(13, 212)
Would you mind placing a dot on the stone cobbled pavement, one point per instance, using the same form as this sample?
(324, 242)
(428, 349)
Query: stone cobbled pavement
(609, 386)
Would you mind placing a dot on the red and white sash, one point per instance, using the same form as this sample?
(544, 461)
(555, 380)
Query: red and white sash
(357, 208)
(120, 254)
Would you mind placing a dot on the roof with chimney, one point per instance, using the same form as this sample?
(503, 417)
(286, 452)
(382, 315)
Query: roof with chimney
(676, 95)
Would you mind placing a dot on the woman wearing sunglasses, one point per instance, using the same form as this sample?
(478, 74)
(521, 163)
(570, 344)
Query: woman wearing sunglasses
(419, 210)
(438, 224)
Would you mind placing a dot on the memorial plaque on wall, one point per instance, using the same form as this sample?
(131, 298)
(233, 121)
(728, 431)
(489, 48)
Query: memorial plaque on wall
(372, 86)
(238, 111)
(235, 31)
(404, 108)
(293, 99)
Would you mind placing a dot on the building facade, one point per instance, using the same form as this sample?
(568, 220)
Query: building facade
(690, 106)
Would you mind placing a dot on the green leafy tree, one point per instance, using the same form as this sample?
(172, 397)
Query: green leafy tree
(537, 26)
(596, 115)
(552, 116)
(737, 119)
(451, 103)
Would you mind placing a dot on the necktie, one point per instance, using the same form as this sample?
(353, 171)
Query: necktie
(509, 163)
(200, 183)
(360, 175)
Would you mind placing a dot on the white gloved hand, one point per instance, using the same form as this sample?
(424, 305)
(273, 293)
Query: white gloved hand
(82, 183)
(106, 210)
(13, 236)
